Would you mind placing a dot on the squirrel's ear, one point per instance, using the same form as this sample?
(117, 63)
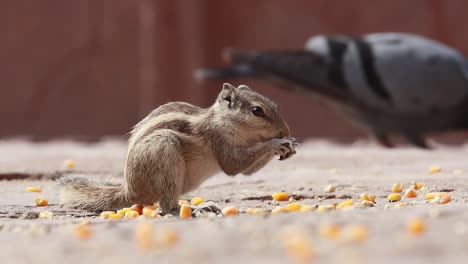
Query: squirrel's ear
(227, 93)
(243, 87)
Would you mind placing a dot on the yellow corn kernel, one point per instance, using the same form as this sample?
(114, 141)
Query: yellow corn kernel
(442, 198)
(329, 189)
(330, 231)
(116, 216)
(131, 214)
(307, 208)
(48, 215)
(197, 200)
(356, 233)
(154, 206)
(280, 209)
(411, 193)
(434, 169)
(181, 202)
(185, 211)
(345, 204)
(416, 226)
(69, 164)
(418, 186)
(367, 197)
(367, 203)
(325, 207)
(170, 238)
(430, 196)
(400, 205)
(397, 187)
(149, 213)
(293, 207)
(124, 210)
(230, 210)
(82, 231)
(106, 214)
(144, 236)
(394, 197)
(298, 247)
(138, 208)
(41, 201)
(252, 211)
(34, 189)
(280, 196)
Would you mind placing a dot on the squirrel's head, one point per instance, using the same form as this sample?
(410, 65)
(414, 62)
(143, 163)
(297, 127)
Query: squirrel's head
(249, 115)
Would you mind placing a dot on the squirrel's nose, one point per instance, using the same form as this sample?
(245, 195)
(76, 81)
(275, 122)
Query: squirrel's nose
(284, 132)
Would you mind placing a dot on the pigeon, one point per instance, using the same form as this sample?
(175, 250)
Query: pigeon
(387, 83)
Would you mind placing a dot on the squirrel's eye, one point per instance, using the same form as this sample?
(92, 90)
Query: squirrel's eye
(258, 111)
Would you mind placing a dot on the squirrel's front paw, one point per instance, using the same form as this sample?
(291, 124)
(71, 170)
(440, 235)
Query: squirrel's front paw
(286, 147)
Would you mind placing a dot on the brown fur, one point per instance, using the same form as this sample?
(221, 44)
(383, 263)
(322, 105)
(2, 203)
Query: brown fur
(178, 146)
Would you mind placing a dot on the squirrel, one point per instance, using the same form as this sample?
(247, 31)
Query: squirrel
(178, 146)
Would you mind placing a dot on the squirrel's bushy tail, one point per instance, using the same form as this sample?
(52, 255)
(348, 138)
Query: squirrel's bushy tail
(83, 193)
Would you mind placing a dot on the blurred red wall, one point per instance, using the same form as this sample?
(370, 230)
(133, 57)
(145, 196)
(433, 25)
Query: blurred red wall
(91, 68)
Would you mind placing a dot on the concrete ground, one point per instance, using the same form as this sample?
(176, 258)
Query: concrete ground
(279, 238)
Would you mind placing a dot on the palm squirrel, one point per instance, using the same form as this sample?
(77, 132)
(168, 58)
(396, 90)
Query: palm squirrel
(179, 145)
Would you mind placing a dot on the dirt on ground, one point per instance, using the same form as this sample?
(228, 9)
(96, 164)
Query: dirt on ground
(354, 234)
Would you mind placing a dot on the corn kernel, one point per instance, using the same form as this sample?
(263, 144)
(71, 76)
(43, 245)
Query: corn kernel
(367, 203)
(344, 204)
(230, 210)
(280, 209)
(197, 200)
(106, 214)
(82, 231)
(48, 215)
(144, 236)
(185, 211)
(442, 198)
(307, 208)
(34, 189)
(69, 164)
(293, 207)
(357, 233)
(394, 197)
(416, 226)
(397, 187)
(434, 169)
(280, 196)
(330, 231)
(149, 213)
(170, 238)
(418, 186)
(138, 208)
(325, 207)
(367, 197)
(181, 202)
(124, 210)
(251, 211)
(329, 189)
(169, 216)
(411, 193)
(154, 206)
(430, 196)
(131, 214)
(116, 216)
(400, 205)
(41, 201)
(298, 247)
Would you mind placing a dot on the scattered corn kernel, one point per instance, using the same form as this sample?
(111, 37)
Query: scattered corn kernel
(416, 226)
(230, 210)
(367, 197)
(149, 213)
(48, 215)
(442, 198)
(345, 204)
(298, 247)
(69, 164)
(325, 207)
(394, 197)
(138, 208)
(185, 211)
(280, 196)
(181, 202)
(251, 211)
(293, 207)
(154, 206)
(411, 193)
(418, 185)
(330, 231)
(291, 199)
(367, 203)
(169, 216)
(329, 189)
(124, 210)
(82, 231)
(435, 169)
(400, 205)
(170, 237)
(41, 201)
(144, 236)
(357, 233)
(430, 196)
(197, 200)
(116, 216)
(106, 214)
(34, 189)
(131, 214)
(307, 208)
(397, 187)
(280, 209)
